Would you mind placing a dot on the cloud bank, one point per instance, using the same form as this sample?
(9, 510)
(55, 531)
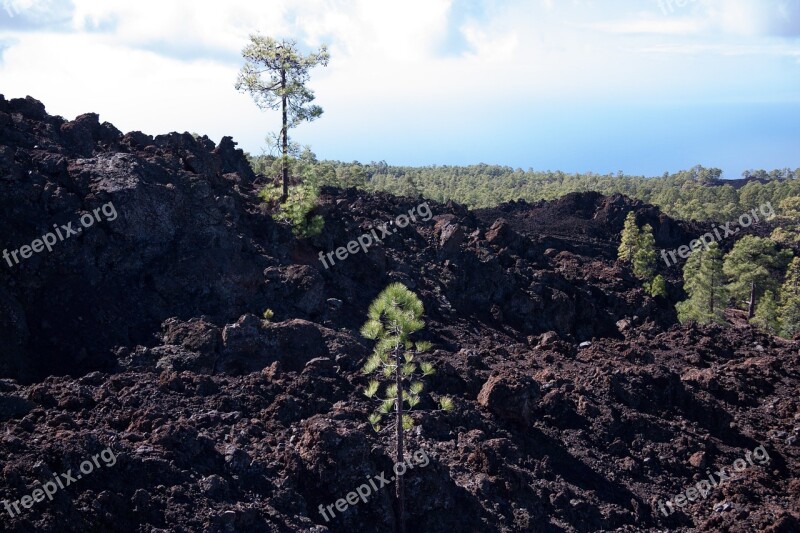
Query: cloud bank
(436, 81)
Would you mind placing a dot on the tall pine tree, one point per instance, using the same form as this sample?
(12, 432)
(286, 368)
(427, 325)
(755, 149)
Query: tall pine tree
(644, 255)
(276, 75)
(704, 282)
(630, 239)
(751, 266)
(638, 247)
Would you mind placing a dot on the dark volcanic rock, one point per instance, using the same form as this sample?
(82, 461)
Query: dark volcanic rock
(14, 407)
(512, 398)
(170, 242)
(148, 326)
(299, 285)
(251, 344)
(196, 335)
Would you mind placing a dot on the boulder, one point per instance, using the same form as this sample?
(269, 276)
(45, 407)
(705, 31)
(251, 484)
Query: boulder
(510, 397)
(196, 335)
(250, 345)
(451, 238)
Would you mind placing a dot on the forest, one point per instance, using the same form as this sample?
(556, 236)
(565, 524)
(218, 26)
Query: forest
(696, 194)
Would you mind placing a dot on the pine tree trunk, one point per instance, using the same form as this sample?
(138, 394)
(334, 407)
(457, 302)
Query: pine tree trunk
(400, 455)
(751, 309)
(284, 140)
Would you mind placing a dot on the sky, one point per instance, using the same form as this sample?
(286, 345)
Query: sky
(638, 86)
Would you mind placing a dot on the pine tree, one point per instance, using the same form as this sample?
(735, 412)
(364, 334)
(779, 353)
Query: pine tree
(766, 316)
(276, 75)
(644, 255)
(790, 301)
(393, 316)
(629, 240)
(750, 265)
(705, 284)
(658, 287)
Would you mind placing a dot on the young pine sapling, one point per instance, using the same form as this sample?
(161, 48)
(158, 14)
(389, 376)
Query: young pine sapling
(393, 317)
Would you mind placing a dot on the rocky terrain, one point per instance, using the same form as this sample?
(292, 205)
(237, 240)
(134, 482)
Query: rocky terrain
(580, 403)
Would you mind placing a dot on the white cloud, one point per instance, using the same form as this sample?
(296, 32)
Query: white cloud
(748, 18)
(203, 23)
(727, 50)
(160, 66)
(651, 25)
(136, 90)
(756, 17)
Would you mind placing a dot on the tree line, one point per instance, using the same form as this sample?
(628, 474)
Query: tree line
(696, 194)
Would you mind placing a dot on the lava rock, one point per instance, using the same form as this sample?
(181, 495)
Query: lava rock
(510, 397)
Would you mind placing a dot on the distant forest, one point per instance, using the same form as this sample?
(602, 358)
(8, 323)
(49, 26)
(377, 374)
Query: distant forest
(696, 194)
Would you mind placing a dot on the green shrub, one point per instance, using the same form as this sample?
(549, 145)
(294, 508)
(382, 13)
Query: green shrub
(658, 287)
(767, 314)
(297, 208)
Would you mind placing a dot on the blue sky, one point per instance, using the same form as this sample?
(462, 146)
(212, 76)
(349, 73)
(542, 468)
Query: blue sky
(641, 86)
